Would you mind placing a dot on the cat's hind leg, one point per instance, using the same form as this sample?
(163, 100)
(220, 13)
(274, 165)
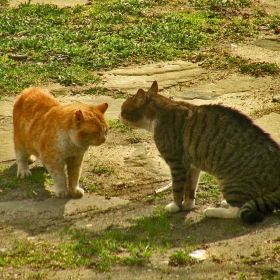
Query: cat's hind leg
(190, 190)
(22, 158)
(224, 213)
(74, 165)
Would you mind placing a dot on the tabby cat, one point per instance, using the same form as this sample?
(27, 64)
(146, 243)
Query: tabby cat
(215, 139)
(58, 134)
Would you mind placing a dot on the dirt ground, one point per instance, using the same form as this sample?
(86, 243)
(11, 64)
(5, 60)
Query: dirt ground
(134, 170)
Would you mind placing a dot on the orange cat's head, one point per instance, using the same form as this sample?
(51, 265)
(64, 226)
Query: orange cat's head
(90, 125)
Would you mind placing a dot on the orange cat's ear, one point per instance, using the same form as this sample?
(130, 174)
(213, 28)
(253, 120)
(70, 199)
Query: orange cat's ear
(102, 107)
(154, 87)
(79, 115)
(140, 98)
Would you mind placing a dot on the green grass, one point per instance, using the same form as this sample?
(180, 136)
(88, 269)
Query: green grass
(30, 186)
(208, 189)
(45, 43)
(182, 257)
(99, 169)
(116, 124)
(9, 180)
(99, 251)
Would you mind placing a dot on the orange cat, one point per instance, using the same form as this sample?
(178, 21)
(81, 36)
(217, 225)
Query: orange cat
(58, 134)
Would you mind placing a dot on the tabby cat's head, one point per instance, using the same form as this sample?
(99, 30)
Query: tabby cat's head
(136, 111)
(91, 127)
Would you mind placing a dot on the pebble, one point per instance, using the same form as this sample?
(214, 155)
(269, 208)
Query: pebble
(276, 98)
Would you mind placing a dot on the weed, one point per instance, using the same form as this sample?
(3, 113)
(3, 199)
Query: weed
(256, 253)
(100, 169)
(276, 249)
(93, 187)
(259, 69)
(134, 139)
(116, 124)
(182, 258)
(96, 91)
(276, 239)
(121, 96)
(155, 197)
(242, 276)
(38, 275)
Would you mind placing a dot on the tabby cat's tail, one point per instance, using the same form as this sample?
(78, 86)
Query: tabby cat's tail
(254, 211)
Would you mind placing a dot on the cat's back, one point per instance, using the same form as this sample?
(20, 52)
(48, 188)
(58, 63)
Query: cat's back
(220, 137)
(34, 101)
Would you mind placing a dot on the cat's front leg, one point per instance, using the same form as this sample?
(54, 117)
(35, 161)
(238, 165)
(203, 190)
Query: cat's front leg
(190, 189)
(74, 165)
(59, 180)
(179, 176)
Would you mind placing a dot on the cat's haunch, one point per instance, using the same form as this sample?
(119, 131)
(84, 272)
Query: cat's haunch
(57, 134)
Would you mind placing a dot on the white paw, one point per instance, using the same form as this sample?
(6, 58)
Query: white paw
(188, 205)
(172, 207)
(23, 173)
(224, 213)
(62, 194)
(224, 204)
(78, 192)
(209, 212)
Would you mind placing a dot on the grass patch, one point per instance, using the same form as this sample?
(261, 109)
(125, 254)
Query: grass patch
(100, 169)
(116, 124)
(31, 186)
(45, 43)
(99, 251)
(222, 59)
(182, 258)
(208, 189)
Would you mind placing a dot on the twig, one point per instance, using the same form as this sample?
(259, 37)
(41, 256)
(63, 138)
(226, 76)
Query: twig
(17, 56)
(163, 188)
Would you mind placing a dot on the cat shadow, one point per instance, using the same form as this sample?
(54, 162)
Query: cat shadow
(29, 204)
(195, 229)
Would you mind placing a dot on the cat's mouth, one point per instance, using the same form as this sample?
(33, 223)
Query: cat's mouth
(124, 121)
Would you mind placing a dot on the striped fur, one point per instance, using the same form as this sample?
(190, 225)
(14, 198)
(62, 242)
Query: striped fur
(214, 139)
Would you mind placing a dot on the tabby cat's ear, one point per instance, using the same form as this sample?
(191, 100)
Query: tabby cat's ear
(102, 107)
(154, 87)
(79, 115)
(140, 98)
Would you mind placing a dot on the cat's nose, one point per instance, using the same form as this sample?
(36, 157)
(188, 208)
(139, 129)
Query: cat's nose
(103, 139)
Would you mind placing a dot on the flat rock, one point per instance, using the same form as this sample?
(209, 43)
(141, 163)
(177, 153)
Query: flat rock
(232, 84)
(167, 74)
